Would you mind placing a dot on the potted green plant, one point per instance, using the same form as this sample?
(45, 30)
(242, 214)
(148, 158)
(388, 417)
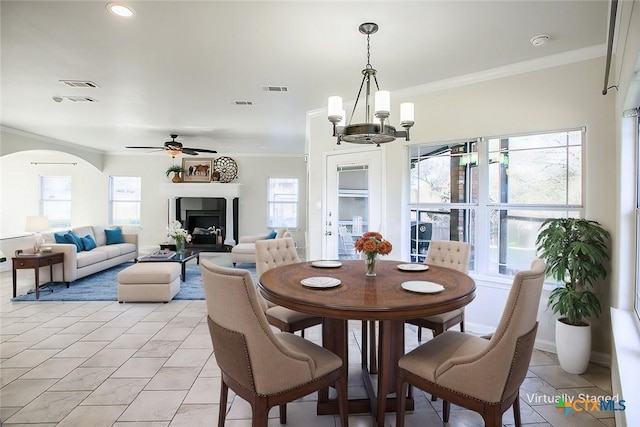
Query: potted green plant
(574, 250)
(177, 170)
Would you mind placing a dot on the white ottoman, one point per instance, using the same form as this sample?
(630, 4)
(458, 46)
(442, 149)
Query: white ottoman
(149, 282)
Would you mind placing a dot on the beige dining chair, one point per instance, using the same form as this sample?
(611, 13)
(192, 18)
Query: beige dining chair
(450, 254)
(475, 373)
(272, 253)
(262, 367)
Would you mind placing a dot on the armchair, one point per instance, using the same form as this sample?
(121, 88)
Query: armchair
(272, 253)
(448, 254)
(245, 250)
(475, 373)
(262, 367)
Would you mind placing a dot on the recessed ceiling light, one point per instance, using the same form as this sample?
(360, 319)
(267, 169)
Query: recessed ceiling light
(539, 40)
(121, 9)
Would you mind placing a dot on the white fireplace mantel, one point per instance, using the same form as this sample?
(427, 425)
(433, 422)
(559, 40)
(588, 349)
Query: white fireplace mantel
(205, 189)
(202, 189)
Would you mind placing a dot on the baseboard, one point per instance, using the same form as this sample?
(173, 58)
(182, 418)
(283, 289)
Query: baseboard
(543, 345)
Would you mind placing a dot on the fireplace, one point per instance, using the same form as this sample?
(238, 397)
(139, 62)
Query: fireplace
(200, 216)
(203, 226)
(219, 197)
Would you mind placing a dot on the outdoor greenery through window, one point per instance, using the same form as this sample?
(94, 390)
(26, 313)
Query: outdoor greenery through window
(282, 202)
(494, 193)
(55, 200)
(125, 198)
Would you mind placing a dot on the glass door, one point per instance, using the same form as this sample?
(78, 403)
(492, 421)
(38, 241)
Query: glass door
(353, 201)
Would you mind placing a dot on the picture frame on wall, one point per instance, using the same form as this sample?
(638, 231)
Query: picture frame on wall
(197, 170)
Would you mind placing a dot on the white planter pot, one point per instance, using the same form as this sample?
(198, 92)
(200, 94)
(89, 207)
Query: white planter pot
(573, 344)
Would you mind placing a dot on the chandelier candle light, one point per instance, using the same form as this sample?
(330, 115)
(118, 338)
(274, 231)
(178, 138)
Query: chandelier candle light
(369, 132)
(371, 244)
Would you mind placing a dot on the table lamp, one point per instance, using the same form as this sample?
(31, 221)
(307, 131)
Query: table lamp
(37, 224)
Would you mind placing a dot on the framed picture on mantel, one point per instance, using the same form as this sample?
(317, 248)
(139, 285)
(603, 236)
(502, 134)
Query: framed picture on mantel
(197, 170)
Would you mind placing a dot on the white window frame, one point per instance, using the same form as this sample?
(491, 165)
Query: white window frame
(277, 199)
(481, 208)
(114, 202)
(636, 289)
(46, 202)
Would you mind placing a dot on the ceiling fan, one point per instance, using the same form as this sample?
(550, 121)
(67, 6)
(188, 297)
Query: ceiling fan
(174, 148)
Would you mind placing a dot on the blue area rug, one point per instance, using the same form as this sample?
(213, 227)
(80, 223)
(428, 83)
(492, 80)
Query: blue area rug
(103, 286)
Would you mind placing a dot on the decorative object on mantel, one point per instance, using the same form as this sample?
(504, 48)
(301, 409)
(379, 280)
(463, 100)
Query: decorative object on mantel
(197, 170)
(371, 244)
(369, 133)
(177, 170)
(226, 168)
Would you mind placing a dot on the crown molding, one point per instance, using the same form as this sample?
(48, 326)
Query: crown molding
(522, 67)
(537, 64)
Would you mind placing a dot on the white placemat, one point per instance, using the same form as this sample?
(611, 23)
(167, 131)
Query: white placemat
(320, 282)
(422, 287)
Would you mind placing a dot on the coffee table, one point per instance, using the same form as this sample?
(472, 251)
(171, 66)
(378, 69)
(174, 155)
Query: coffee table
(181, 258)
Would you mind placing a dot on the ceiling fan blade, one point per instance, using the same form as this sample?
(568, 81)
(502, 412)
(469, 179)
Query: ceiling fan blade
(201, 150)
(190, 151)
(148, 148)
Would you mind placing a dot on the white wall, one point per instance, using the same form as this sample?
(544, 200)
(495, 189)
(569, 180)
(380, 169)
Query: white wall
(561, 97)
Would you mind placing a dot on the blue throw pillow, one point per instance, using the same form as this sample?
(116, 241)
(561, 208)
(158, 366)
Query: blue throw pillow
(114, 235)
(60, 237)
(70, 237)
(88, 243)
(272, 235)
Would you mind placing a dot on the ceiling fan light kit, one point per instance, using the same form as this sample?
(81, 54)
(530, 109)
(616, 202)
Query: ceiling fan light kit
(369, 132)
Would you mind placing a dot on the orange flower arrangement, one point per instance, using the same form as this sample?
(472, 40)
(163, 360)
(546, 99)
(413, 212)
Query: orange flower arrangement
(372, 243)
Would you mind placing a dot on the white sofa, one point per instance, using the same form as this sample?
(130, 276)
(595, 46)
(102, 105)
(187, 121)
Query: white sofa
(83, 263)
(245, 250)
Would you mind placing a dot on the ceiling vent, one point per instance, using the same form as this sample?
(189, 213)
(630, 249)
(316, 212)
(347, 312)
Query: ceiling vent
(80, 98)
(79, 83)
(275, 88)
(249, 103)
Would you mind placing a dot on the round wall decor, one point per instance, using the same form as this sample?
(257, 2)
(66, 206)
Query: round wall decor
(227, 168)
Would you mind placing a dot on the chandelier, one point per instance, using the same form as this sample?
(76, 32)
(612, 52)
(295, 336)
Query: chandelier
(369, 132)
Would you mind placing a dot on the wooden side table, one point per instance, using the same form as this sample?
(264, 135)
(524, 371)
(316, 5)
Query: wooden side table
(26, 259)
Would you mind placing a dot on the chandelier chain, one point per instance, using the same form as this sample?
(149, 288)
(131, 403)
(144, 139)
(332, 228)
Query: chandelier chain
(368, 52)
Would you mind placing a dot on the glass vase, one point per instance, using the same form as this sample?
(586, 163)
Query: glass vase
(370, 261)
(181, 246)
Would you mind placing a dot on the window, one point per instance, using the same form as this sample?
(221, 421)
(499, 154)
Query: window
(282, 202)
(494, 193)
(55, 200)
(125, 195)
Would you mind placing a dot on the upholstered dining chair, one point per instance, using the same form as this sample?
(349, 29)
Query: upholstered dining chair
(262, 367)
(451, 254)
(272, 253)
(476, 373)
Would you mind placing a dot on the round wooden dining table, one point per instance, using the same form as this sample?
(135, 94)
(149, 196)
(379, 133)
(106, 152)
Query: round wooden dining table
(360, 297)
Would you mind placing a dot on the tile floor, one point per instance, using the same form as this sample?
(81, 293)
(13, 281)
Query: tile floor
(109, 364)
